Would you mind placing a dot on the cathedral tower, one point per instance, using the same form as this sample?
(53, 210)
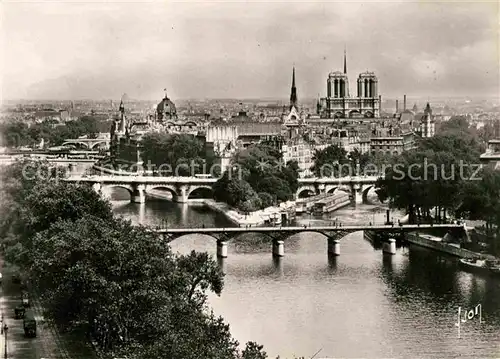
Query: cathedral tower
(339, 104)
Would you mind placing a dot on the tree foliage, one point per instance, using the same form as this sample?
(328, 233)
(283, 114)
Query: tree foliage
(119, 283)
(176, 154)
(18, 133)
(444, 177)
(257, 179)
(335, 161)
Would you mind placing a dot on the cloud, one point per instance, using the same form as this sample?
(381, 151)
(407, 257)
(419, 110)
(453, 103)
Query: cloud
(242, 49)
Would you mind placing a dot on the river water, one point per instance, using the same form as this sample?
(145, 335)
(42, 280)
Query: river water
(361, 305)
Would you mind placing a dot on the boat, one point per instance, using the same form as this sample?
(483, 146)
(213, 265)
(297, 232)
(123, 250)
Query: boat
(331, 203)
(480, 266)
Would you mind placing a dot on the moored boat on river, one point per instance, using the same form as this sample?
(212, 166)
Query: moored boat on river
(331, 203)
(480, 266)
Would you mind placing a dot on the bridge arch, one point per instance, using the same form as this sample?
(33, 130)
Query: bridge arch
(105, 143)
(366, 190)
(272, 236)
(305, 191)
(170, 238)
(345, 188)
(107, 189)
(75, 143)
(205, 191)
(166, 188)
(331, 188)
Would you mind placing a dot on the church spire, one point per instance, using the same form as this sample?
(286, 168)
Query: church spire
(121, 108)
(293, 94)
(345, 60)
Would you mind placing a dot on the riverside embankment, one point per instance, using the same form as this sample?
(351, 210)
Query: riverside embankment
(437, 244)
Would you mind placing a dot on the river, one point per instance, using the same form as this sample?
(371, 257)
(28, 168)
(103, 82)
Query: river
(361, 305)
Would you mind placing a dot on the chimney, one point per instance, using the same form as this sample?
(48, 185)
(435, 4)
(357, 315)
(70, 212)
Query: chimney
(404, 103)
(380, 103)
(397, 106)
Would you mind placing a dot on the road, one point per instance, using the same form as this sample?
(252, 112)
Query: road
(48, 344)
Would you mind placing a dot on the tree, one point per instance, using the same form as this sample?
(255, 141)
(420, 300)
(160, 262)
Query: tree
(253, 351)
(199, 273)
(358, 161)
(327, 162)
(175, 154)
(263, 168)
(262, 171)
(120, 283)
(17, 133)
(233, 191)
(266, 199)
(432, 177)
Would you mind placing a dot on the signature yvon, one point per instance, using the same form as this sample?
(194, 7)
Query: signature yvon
(466, 315)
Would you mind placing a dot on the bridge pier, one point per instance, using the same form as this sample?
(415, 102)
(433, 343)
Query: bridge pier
(389, 247)
(357, 193)
(138, 194)
(278, 248)
(182, 196)
(221, 249)
(333, 247)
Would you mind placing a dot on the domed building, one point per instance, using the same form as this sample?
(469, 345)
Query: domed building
(166, 109)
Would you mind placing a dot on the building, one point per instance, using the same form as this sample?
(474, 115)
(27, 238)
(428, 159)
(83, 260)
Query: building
(364, 145)
(124, 145)
(222, 141)
(427, 126)
(339, 104)
(492, 155)
(388, 145)
(300, 151)
(166, 109)
(255, 132)
(293, 119)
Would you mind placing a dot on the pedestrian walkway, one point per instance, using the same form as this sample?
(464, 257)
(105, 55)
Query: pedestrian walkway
(48, 343)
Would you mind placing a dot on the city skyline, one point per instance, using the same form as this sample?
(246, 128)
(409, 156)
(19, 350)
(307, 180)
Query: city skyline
(100, 50)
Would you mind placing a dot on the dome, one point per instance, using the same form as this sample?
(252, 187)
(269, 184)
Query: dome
(166, 108)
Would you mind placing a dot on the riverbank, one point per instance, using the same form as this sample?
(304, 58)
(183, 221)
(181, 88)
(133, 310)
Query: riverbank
(254, 219)
(435, 243)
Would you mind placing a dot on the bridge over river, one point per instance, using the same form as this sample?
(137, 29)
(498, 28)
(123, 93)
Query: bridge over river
(182, 188)
(333, 234)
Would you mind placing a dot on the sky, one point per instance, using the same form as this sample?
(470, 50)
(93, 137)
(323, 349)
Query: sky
(240, 49)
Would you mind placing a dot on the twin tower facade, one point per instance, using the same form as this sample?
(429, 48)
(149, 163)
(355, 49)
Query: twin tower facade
(339, 104)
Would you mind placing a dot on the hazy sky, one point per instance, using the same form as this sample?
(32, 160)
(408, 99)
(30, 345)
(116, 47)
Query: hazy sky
(217, 49)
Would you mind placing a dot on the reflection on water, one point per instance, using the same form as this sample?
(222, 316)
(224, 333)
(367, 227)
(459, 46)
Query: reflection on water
(362, 304)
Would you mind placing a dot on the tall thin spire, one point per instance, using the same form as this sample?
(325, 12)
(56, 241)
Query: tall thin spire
(121, 108)
(345, 60)
(293, 94)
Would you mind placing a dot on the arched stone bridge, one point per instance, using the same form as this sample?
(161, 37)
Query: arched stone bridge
(356, 186)
(90, 143)
(182, 187)
(333, 234)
